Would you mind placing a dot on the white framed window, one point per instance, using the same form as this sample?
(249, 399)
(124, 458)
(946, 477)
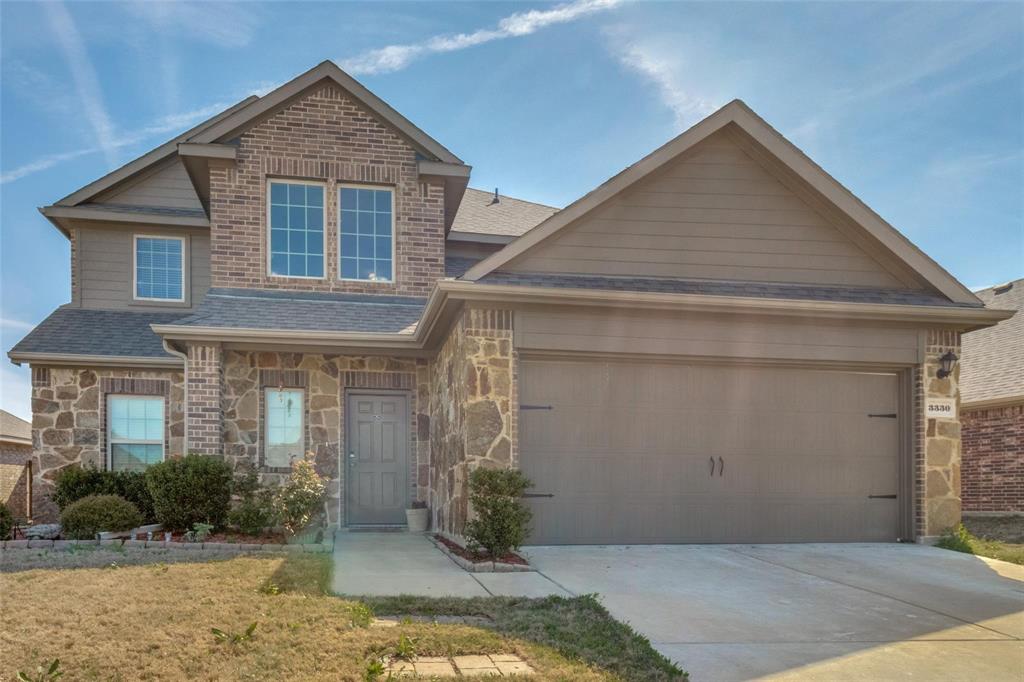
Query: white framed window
(284, 426)
(295, 229)
(158, 266)
(135, 432)
(366, 228)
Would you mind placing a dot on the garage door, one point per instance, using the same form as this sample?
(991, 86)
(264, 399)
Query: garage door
(648, 453)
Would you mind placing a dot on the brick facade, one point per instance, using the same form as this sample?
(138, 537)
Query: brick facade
(993, 459)
(14, 483)
(69, 420)
(204, 378)
(324, 137)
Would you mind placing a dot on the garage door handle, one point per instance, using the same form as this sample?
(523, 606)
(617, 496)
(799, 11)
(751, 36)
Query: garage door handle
(882, 497)
(712, 461)
(721, 466)
(538, 495)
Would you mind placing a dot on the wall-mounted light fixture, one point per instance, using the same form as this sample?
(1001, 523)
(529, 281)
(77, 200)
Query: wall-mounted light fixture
(946, 364)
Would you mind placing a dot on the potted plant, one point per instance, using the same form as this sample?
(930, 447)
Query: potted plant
(417, 517)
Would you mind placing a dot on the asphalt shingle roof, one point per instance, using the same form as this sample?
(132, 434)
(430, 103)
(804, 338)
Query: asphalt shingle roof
(81, 331)
(510, 217)
(14, 429)
(718, 288)
(291, 310)
(992, 359)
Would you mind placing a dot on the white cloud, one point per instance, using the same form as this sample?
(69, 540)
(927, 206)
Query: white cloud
(667, 74)
(11, 323)
(397, 57)
(84, 74)
(972, 166)
(226, 24)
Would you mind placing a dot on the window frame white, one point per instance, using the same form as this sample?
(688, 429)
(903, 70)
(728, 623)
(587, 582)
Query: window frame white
(267, 464)
(394, 233)
(269, 227)
(109, 430)
(135, 267)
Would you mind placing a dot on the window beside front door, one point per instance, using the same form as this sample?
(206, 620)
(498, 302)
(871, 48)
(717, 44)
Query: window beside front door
(284, 426)
(296, 220)
(135, 432)
(367, 245)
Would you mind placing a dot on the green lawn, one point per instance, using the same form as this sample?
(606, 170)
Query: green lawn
(148, 615)
(1000, 537)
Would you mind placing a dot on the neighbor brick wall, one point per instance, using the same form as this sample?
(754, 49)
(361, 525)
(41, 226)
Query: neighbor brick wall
(324, 136)
(993, 459)
(14, 481)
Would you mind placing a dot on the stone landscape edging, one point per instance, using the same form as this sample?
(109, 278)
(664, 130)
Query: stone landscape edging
(482, 566)
(237, 547)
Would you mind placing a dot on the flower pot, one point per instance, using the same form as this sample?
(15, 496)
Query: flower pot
(417, 520)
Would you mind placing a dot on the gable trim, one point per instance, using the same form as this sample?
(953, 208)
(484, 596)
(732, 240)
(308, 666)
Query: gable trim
(738, 113)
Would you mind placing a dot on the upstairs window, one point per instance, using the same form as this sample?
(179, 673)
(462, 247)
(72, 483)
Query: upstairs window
(296, 229)
(284, 426)
(367, 233)
(159, 273)
(135, 438)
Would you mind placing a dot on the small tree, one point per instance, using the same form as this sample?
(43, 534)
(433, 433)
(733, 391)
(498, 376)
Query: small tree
(502, 522)
(298, 499)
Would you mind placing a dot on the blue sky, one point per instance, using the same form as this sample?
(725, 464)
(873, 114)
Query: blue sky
(918, 108)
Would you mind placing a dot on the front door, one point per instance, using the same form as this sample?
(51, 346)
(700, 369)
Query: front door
(377, 458)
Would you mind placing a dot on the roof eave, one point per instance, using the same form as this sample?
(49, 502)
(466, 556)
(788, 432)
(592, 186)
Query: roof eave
(75, 359)
(56, 213)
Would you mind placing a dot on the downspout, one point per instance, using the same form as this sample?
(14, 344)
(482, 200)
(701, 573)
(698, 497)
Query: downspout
(184, 407)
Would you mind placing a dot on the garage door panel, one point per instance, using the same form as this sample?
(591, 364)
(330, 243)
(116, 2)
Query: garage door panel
(642, 460)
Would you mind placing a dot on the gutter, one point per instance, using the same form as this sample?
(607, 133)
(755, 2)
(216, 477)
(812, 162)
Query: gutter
(73, 359)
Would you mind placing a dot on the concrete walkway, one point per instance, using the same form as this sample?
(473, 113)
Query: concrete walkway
(390, 564)
(828, 612)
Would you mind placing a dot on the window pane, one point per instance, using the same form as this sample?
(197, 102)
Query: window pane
(284, 426)
(134, 456)
(296, 220)
(158, 268)
(366, 213)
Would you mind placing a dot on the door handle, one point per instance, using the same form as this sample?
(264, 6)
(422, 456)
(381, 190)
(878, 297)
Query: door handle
(721, 466)
(712, 461)
(351, 459)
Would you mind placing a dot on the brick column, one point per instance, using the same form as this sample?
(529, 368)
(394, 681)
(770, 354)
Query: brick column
(938, 470)
(204, 413)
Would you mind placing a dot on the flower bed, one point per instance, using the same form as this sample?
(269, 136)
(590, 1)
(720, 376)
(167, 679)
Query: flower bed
(228, 537)
(475, 563)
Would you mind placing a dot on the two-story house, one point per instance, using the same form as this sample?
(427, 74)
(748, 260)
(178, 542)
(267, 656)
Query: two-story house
(718, 344)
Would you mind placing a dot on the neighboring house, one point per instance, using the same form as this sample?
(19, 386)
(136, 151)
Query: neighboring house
(718, 344)
(15, 459)
(992, 408)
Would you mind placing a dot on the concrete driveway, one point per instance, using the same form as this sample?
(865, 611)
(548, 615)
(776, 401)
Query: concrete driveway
(830, 612)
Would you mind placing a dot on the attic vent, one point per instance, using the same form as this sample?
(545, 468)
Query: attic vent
(496, 199)
(1002, 288)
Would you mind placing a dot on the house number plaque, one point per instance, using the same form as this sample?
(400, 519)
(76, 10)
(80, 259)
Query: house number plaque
(940, 408)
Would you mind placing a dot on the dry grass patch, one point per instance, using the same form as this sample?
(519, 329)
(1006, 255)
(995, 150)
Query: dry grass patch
(153, 621)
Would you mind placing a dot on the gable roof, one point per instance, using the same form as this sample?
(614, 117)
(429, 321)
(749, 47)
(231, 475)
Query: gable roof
(480, 214)
(992, 359)
(14, 429)
(775, 146)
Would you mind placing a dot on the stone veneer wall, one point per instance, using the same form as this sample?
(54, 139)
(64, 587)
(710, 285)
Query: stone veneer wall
(993, 459)
(937, 460)
(69, 418)
(473, 408)
(324, 137)
(325, 378)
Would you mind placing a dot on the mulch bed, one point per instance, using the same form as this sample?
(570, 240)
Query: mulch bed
(510, 558)
(236, 538)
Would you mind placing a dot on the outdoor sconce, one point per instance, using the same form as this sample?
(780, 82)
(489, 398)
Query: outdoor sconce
(946, 362)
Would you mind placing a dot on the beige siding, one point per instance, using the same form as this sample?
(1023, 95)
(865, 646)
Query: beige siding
(106, 261)
(716, 214)
(167, 187)
(722, 336)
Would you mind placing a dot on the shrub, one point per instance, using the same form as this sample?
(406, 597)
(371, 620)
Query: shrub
(254, 511)
(190, 490)
(957, 539)
(81, 520)
(501, 523)
(298, 499)
(6, 522)
(73, 483)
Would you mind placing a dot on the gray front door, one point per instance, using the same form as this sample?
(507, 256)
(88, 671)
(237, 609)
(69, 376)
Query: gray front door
(377, 458)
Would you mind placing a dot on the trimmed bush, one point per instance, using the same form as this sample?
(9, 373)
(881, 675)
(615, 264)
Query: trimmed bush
(81, 520)
(502, 522)
(253, 512)
(190, 490)
(298, 500)
(73, 483)
(6, 522)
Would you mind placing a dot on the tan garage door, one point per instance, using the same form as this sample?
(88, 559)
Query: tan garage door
(650, 453)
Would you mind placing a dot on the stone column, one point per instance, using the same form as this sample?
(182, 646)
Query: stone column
(204, 412)
(939, 473)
